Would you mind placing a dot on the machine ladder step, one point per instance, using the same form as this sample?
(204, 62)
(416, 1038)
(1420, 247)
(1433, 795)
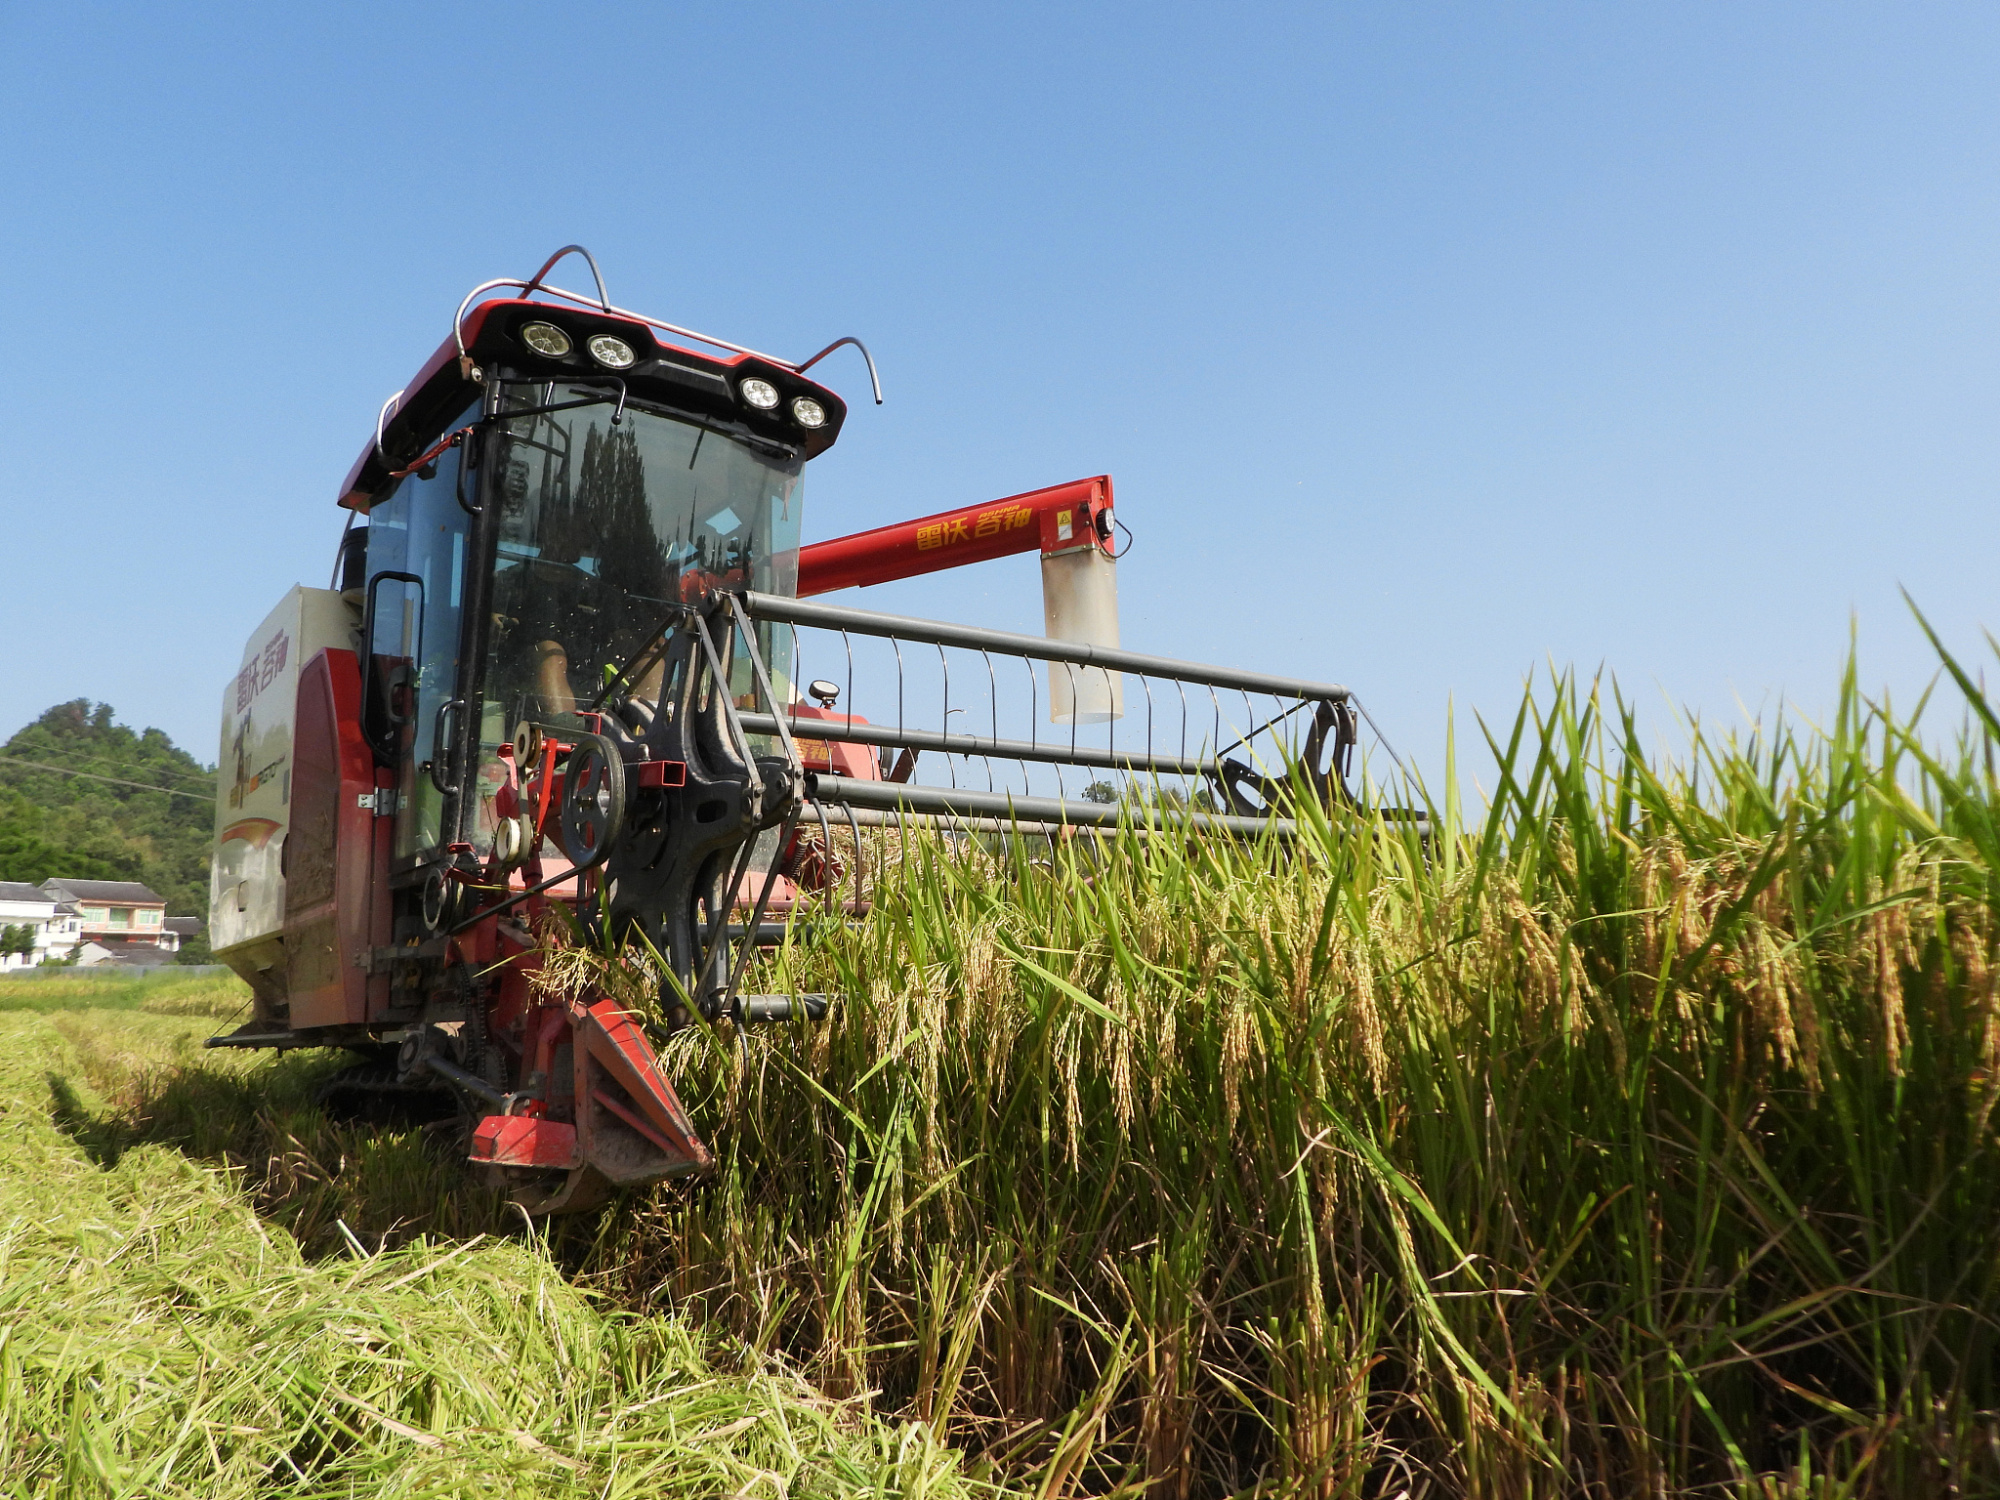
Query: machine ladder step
(259, 1034)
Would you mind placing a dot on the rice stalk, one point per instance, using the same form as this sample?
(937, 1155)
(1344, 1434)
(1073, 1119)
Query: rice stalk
(1636, 1137)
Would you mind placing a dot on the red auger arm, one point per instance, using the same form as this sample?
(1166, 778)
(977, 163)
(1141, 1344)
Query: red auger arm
(1062, 518)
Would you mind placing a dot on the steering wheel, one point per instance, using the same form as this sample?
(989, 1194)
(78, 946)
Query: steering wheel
(593, 799)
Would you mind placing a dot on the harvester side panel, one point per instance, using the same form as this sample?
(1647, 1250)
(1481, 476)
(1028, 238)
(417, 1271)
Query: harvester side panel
(253, 805)
(332, 883)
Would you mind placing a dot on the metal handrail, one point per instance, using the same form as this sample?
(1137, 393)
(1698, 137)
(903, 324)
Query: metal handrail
(873, 379)
(382, 417)
(603, 297)
(1037, 648)
(602, 302)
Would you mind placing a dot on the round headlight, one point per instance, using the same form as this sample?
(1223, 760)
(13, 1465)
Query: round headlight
(808, 412)
(545, 338)
(759, 393)
(612, 353)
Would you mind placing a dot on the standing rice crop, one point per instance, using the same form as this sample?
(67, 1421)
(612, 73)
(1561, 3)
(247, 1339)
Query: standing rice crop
(1636, 1137)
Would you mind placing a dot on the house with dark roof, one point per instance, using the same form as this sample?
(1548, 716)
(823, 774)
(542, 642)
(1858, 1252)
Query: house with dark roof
(116, 912)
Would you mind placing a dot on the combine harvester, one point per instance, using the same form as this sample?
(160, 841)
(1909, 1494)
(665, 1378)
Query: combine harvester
(557, 668)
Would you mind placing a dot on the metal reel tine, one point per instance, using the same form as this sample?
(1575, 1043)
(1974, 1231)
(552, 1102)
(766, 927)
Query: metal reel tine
(854, 827)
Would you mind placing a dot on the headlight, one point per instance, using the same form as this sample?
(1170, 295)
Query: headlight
(612, 353)
(759, 393)
(808, 412)
(545, 338)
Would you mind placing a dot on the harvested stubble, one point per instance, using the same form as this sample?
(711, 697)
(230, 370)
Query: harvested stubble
(156, 1338)
(1635, 1139)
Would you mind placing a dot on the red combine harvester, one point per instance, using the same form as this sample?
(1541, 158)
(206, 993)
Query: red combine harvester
(558, 668)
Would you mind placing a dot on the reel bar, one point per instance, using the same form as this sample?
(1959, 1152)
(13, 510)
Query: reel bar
(903, 820)
(973, 744)
(892, 797)
(1034, 647)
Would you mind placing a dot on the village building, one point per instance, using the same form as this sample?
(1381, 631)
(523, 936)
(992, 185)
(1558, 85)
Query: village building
(117, 910)
(54, 925)
(91, 922)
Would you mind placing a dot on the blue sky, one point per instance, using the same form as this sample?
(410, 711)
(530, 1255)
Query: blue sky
(1426, 344)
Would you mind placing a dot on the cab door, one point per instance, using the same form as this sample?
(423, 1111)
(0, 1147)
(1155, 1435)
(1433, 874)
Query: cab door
(419, 543)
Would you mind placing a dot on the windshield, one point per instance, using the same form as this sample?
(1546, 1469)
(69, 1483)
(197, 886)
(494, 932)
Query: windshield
(602, 530)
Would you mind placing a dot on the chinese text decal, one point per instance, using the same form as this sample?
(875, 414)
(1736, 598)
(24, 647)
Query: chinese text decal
(258, 675)
(982, 524)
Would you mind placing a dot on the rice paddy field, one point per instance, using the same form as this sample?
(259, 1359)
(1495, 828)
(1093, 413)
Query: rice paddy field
(1631, 1134)
(182, 1320)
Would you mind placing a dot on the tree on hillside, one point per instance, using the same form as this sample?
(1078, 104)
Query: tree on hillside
(53, 824)
(32, 860)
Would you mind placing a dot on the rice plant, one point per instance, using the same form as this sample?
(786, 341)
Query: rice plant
(1632, 1137)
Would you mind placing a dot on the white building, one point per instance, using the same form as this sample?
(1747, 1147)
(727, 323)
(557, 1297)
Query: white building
(55, 924)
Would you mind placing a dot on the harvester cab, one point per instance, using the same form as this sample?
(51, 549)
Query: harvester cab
(559, 695)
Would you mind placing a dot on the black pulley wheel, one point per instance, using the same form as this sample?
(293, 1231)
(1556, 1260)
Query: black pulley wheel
(593, 800)
(441, 899)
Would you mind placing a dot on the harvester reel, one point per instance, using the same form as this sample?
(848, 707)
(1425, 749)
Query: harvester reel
(1237, 781)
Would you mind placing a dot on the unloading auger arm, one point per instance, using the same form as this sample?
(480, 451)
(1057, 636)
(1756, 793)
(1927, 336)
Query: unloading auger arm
(1061, 518)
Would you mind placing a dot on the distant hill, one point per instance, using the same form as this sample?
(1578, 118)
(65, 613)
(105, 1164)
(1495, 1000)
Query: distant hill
(57, 824)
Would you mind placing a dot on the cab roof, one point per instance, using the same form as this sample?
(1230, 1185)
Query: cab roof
(703, 385)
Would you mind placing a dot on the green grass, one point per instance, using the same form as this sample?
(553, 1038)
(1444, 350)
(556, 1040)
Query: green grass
(159, 1338)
